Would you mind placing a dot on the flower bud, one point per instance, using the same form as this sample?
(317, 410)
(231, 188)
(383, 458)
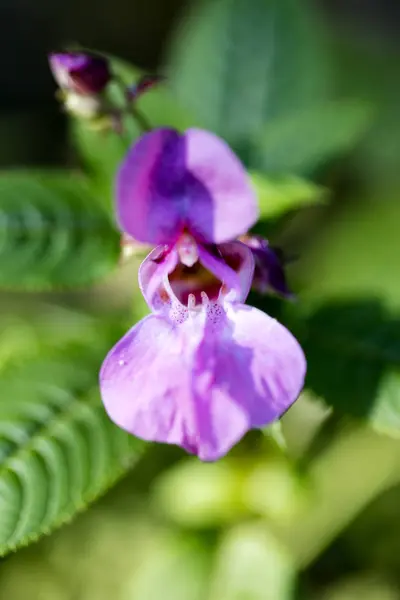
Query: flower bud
(79, 72)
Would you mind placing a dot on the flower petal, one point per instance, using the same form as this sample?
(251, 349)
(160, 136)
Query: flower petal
(161, 261)
(266, 368)
(234, 204)
(269, 272)
(150, 388)
(233, 265)
(203, 383)
(150, 188)
(169, 182)
(225, 270)
(143, 385)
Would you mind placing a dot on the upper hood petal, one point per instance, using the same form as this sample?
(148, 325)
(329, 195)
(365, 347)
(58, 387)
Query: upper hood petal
(169, 182)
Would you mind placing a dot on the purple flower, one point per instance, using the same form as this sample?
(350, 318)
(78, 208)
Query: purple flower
(269, 273)
(79, 72)
(172, 184)
(203, 368)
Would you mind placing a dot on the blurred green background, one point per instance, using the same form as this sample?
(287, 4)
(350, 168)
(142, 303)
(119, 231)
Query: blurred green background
(308, 94)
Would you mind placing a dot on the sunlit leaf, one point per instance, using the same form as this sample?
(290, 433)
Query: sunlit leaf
(58, 449)
(386, 412)
(251, 565)
(175, 568)
(277, 196)
(355, 253)
(194, 494)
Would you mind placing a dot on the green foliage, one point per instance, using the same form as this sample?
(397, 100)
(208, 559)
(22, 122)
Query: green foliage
(53, 232)
(252, 565)
(275, 433)
(198, 495)
(354, 252)
(58, 449)
(302, 140)
(349, 322)
(112, 550)
(237, 64)
(278, 196)
(352, 347)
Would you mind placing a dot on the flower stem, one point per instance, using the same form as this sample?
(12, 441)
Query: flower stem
(140, 119)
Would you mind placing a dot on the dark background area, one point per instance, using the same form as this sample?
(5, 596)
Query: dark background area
(31, 126)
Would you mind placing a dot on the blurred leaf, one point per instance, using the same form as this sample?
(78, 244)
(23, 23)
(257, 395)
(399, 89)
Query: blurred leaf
(275, 432)
(279, 196)
(374, 536)
(52, 232)
(386, 412)
(26, 331)
(369, 586)
(114, 551)
(370, 71)
(237, 64)
(273, 489)
(300, 141)
(58, 449)
(351, 297)
(176, 568)
(194, 494)
(355, 253)
(351, 348)
(303, 422)
(252, 565)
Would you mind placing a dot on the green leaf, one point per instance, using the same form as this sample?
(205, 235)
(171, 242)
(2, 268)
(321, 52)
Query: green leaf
(198, 495)
(175, 568)
(352, 349)
(115, 548)
(58, 449)
(351, 297)
(355, 253)
(237, 64)
(300, 141)
(369, 586)
(251, 565)
(277, 196)
(386, 411)
(53, 232)
(275, 433)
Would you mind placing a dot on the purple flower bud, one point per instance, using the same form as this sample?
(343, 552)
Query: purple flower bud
(81, 73)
